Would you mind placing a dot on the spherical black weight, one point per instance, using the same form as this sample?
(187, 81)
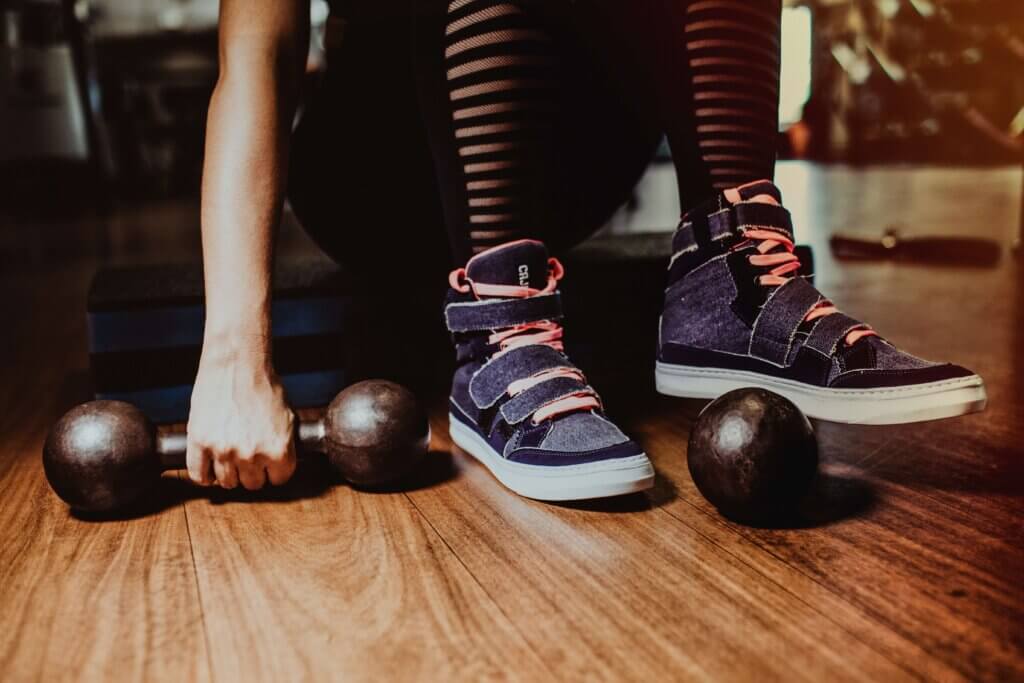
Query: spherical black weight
(375, 432)
(752, 454)
(99, 456)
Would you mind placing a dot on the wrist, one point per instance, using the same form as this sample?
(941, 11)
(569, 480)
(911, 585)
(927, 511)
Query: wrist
(237, 324)
(235, 346)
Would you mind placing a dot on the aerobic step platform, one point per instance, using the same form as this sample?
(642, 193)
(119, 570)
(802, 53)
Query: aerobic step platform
(146, 329)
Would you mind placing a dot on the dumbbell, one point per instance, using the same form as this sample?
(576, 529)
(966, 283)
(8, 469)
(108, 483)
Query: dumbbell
(105, 455)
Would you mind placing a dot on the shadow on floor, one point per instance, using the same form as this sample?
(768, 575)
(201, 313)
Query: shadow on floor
(438, 467)
(956, 456)
(832, 499)
(313, 478)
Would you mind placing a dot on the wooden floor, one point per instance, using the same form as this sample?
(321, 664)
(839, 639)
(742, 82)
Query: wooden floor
(908, 564)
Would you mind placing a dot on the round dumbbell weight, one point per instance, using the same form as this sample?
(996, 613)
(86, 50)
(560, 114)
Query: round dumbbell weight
(753, 454)
(105, 455)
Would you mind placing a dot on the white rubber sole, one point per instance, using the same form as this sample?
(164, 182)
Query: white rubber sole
(885, 405)
(600, 479)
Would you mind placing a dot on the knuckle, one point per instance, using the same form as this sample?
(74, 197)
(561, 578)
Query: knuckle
(278, 455)
(246, 456)
(222, 453)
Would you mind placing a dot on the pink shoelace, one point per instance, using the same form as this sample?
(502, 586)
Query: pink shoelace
(546, 332)
(783, 264)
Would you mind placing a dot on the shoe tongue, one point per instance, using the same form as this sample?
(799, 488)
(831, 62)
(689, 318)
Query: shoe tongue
(757, 188)
(523, 263)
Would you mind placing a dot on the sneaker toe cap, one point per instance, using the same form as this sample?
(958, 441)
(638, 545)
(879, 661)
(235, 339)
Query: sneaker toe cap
(869, 379)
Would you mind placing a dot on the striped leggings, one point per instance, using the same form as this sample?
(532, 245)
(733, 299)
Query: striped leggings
(539, 116)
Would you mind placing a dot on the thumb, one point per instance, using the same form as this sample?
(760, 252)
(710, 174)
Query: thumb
(198, 461)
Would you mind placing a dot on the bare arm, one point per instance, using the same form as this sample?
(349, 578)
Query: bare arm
(239, 425)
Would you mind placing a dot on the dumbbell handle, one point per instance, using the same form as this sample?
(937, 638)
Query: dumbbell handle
(171, 447)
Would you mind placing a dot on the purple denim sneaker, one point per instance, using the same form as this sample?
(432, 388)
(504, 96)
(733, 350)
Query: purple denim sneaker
(518, 404)
(738, 314)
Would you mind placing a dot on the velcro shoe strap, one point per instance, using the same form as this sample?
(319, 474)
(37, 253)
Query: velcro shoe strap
(525, 404)
(762, 216)
(780, 317)
(829, 330)
(491, 381)
(684, 240)
(476, 316)
(721, 224)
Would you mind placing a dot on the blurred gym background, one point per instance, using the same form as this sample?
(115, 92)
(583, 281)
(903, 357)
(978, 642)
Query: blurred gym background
(103, 103)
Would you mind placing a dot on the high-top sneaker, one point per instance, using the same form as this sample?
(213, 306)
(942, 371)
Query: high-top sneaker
(738, 313)
(518, 404)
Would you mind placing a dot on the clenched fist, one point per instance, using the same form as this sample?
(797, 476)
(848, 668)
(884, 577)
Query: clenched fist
(240, 430)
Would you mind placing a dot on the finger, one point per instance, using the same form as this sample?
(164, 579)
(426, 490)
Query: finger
(197, 460)
(226, 471)
(280, 471)
(252, 473)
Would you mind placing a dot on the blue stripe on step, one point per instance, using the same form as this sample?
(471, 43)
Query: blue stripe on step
(183, 325)
(170, 404)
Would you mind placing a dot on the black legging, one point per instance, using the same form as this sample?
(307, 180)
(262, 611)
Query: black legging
(527, 118)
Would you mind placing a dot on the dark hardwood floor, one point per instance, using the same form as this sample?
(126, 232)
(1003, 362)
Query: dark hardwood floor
(907, 562)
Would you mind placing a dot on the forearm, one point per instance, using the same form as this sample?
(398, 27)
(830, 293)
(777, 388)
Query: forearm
(240, 429)
(244, 179)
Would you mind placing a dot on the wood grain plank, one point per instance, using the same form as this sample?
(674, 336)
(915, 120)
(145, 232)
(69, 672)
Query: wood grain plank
(625, 592)
(911, 569)
(80, 600)
(344, 585)
(888, 564)
(935, 555)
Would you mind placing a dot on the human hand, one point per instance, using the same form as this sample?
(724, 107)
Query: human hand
(240, 429)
